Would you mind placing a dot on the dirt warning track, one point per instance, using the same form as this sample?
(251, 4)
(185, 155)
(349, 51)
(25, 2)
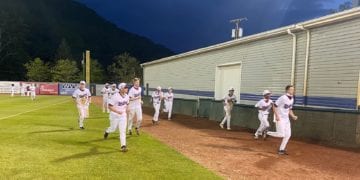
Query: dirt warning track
(236, 155)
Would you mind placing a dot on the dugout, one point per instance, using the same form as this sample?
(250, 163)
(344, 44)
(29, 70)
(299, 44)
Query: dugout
(321, 57)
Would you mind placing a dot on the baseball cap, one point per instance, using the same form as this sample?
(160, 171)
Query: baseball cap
(266, 92)
(158, 88)
(231, 89)
(113, 85)
(82, 82)
(106, 84)
(122, 86)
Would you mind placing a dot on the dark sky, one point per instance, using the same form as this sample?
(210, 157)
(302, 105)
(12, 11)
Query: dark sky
(184, 25)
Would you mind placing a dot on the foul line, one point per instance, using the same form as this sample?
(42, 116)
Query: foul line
(43, 107)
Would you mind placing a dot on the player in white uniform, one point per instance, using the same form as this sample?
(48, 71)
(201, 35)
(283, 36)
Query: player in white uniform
(135, 106)
(118, 118)
(229, 101)
(105, 93)
(113, 91)
(156, 96)
(82, 97)
(33, 91)
(283, 110)
(12, 90)
(264, 107)
(169, 99)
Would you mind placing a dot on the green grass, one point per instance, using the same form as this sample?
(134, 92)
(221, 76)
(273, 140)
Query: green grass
(46, 144)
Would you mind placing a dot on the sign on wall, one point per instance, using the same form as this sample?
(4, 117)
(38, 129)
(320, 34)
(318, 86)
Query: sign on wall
(67, 88)
(49, 89)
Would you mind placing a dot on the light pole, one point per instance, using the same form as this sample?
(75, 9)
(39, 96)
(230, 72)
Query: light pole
(237, 32)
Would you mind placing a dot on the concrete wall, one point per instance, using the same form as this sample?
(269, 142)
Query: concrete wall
(333, 127)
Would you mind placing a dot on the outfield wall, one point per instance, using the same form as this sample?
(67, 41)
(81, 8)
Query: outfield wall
(332, 127)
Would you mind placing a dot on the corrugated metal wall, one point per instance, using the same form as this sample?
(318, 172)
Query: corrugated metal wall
(334, 65)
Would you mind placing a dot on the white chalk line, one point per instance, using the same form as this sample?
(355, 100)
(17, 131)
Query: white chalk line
(42, 107)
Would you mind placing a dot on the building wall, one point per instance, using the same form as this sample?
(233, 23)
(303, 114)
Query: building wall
(333, 74)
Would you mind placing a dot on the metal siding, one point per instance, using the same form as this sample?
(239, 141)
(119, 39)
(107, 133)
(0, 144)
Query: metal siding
(334, 60)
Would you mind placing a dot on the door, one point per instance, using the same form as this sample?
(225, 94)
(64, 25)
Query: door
(226, 76)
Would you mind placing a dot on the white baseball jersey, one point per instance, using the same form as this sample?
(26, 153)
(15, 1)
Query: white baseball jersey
(169, 97)
(284, 104)
(266, 105)
(32, 89)
(112, 92)
(134, 93)
(156, 97)
(82, 96)
(105, 92)
(12, 89)
(228, 99)
(120, 103)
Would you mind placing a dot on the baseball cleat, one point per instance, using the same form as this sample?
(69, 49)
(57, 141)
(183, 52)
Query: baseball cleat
(124, 149)
(82, 128)
(137, 131)
(222, 126)
(264, 135)
(229, 129)
(106, 135)
(282, 152)
(153, 122)
(130, 132)
(256, 137)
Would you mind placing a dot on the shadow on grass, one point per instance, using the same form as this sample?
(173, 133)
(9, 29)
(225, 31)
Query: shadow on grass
(92, 152)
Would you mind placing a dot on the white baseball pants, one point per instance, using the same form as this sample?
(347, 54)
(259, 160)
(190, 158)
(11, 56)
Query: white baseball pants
(283, 130)
(105, 105)
(12, 93)
(33, 95)
(82, 113)
(264, 124)
(227, 117)
(168, 108)
(132, 113)
(157, 111)
(118, 122)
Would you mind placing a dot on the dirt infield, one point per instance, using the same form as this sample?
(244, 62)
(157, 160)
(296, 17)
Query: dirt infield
(236, 155)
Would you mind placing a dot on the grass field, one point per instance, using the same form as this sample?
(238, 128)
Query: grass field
(41, 140)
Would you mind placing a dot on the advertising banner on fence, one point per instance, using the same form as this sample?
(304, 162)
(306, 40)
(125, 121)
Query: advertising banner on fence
(67, 88)
(49, 88)
(25, 86)
(99, 87)
(5, 87)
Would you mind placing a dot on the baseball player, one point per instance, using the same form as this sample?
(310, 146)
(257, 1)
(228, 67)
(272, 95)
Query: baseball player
(168, 98)
(33, 91)
(229, 101)
(264, 106)
(135, 106)
(283, 110)
(157, 96)
(12, 90)
(82, 97)
(22, 90)
(113, 91)
(105, 93)
(118, 107)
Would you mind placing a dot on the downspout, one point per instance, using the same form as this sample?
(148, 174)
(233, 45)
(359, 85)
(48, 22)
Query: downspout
(293, 57)
(307, 54)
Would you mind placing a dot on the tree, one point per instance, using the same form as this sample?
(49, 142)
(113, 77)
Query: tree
(124, 68)
(97, 74)
(65, 70)
(63, 51)
(342, 7)
(38, 71)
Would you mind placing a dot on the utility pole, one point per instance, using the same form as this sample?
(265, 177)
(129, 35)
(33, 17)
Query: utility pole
(238, 31)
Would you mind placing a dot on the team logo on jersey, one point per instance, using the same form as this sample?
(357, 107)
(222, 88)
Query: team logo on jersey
(287, 106)
(122, 103)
